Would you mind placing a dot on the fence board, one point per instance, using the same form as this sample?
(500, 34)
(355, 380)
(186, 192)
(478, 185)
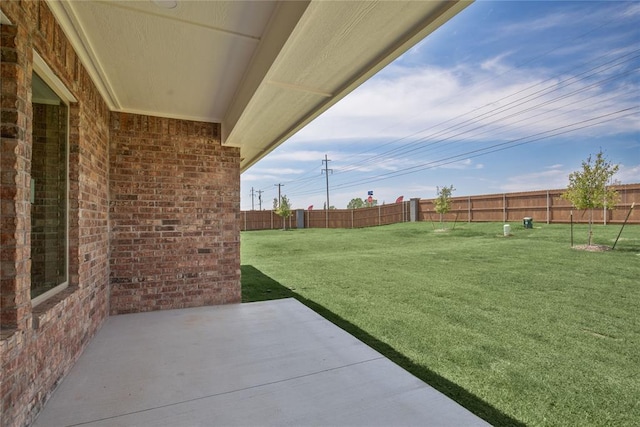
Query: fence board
(546, 206)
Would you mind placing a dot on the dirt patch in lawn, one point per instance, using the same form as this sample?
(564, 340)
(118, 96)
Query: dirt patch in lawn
(592, 248)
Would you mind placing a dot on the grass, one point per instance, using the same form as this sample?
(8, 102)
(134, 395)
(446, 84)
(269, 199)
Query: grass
(521, 330)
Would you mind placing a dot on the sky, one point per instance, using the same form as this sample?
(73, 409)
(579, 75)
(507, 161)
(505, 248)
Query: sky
(507, 96)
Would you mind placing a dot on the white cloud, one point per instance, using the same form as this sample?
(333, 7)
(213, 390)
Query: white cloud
(298, 155)
(277, 171)
(552, 20)
(496, 64)
(551, 178)
(253, 177)
(462, 164)
(628, 174)
(423, 190)
(556, 176)
(473, 103)
(414, 116)
(631, 11)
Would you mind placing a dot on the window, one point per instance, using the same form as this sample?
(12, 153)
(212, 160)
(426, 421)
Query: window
(49, 189)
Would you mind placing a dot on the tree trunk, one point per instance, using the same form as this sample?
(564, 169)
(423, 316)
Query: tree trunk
(590, 224)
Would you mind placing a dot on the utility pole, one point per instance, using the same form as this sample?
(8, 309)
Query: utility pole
(260, 198)
(252, 208)
(326, 171)
(279, 188)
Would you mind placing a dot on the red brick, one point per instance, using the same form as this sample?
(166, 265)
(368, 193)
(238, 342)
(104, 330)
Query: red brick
(48, 339)
(161, 182)
(153, 145)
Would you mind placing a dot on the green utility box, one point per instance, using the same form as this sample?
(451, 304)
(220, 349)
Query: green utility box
(527, 222)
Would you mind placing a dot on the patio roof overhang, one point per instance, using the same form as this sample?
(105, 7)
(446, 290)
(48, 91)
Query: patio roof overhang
(263, 69)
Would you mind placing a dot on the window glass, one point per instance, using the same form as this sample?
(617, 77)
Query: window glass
(48, 190)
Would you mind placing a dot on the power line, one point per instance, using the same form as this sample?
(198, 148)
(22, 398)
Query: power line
(591, 122)
(522, 108)
(493, 148)
(561, 44)
(554, 87)
(522, 102)
(451, 159)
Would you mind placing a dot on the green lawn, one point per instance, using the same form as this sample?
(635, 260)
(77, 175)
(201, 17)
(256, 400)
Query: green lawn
(522, 330)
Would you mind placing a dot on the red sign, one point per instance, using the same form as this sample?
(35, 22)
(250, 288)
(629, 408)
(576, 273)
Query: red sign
(370, 199)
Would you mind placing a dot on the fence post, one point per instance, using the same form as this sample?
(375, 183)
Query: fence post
(504, 207)
(555, 212)
(352, 217)
(414, 207)
(548, 208)
(404, 211)
(299, 218)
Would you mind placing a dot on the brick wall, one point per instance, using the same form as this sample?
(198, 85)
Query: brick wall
(153, 209)
(175, 210)
(38, 345)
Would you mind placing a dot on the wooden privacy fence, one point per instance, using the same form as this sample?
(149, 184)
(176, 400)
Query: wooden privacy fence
(333, 218)
(545, 206)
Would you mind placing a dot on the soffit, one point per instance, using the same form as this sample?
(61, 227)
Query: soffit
(263, 69)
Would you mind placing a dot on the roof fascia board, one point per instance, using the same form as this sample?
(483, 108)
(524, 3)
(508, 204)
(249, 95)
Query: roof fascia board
(71, 26)
(282, 23)
(410, 38)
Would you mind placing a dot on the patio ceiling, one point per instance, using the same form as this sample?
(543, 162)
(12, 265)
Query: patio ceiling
(263, 69)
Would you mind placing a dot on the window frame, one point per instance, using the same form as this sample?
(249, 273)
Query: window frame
(45, 73)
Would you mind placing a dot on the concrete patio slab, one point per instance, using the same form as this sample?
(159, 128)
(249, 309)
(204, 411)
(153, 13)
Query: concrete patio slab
(265, 363)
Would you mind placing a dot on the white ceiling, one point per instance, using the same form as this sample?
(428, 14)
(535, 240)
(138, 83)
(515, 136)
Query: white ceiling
(263, 69)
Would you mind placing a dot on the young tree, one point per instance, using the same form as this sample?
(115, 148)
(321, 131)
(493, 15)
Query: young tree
(443, 201)
(283, 209)
(356, 203)
(588, 188)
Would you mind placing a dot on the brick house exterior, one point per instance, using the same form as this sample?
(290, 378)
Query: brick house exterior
(174, 212)
(153, 216)
(109, 206)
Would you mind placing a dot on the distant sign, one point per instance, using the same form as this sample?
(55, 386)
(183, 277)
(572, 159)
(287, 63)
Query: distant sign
(370, 199)
(370, 193)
